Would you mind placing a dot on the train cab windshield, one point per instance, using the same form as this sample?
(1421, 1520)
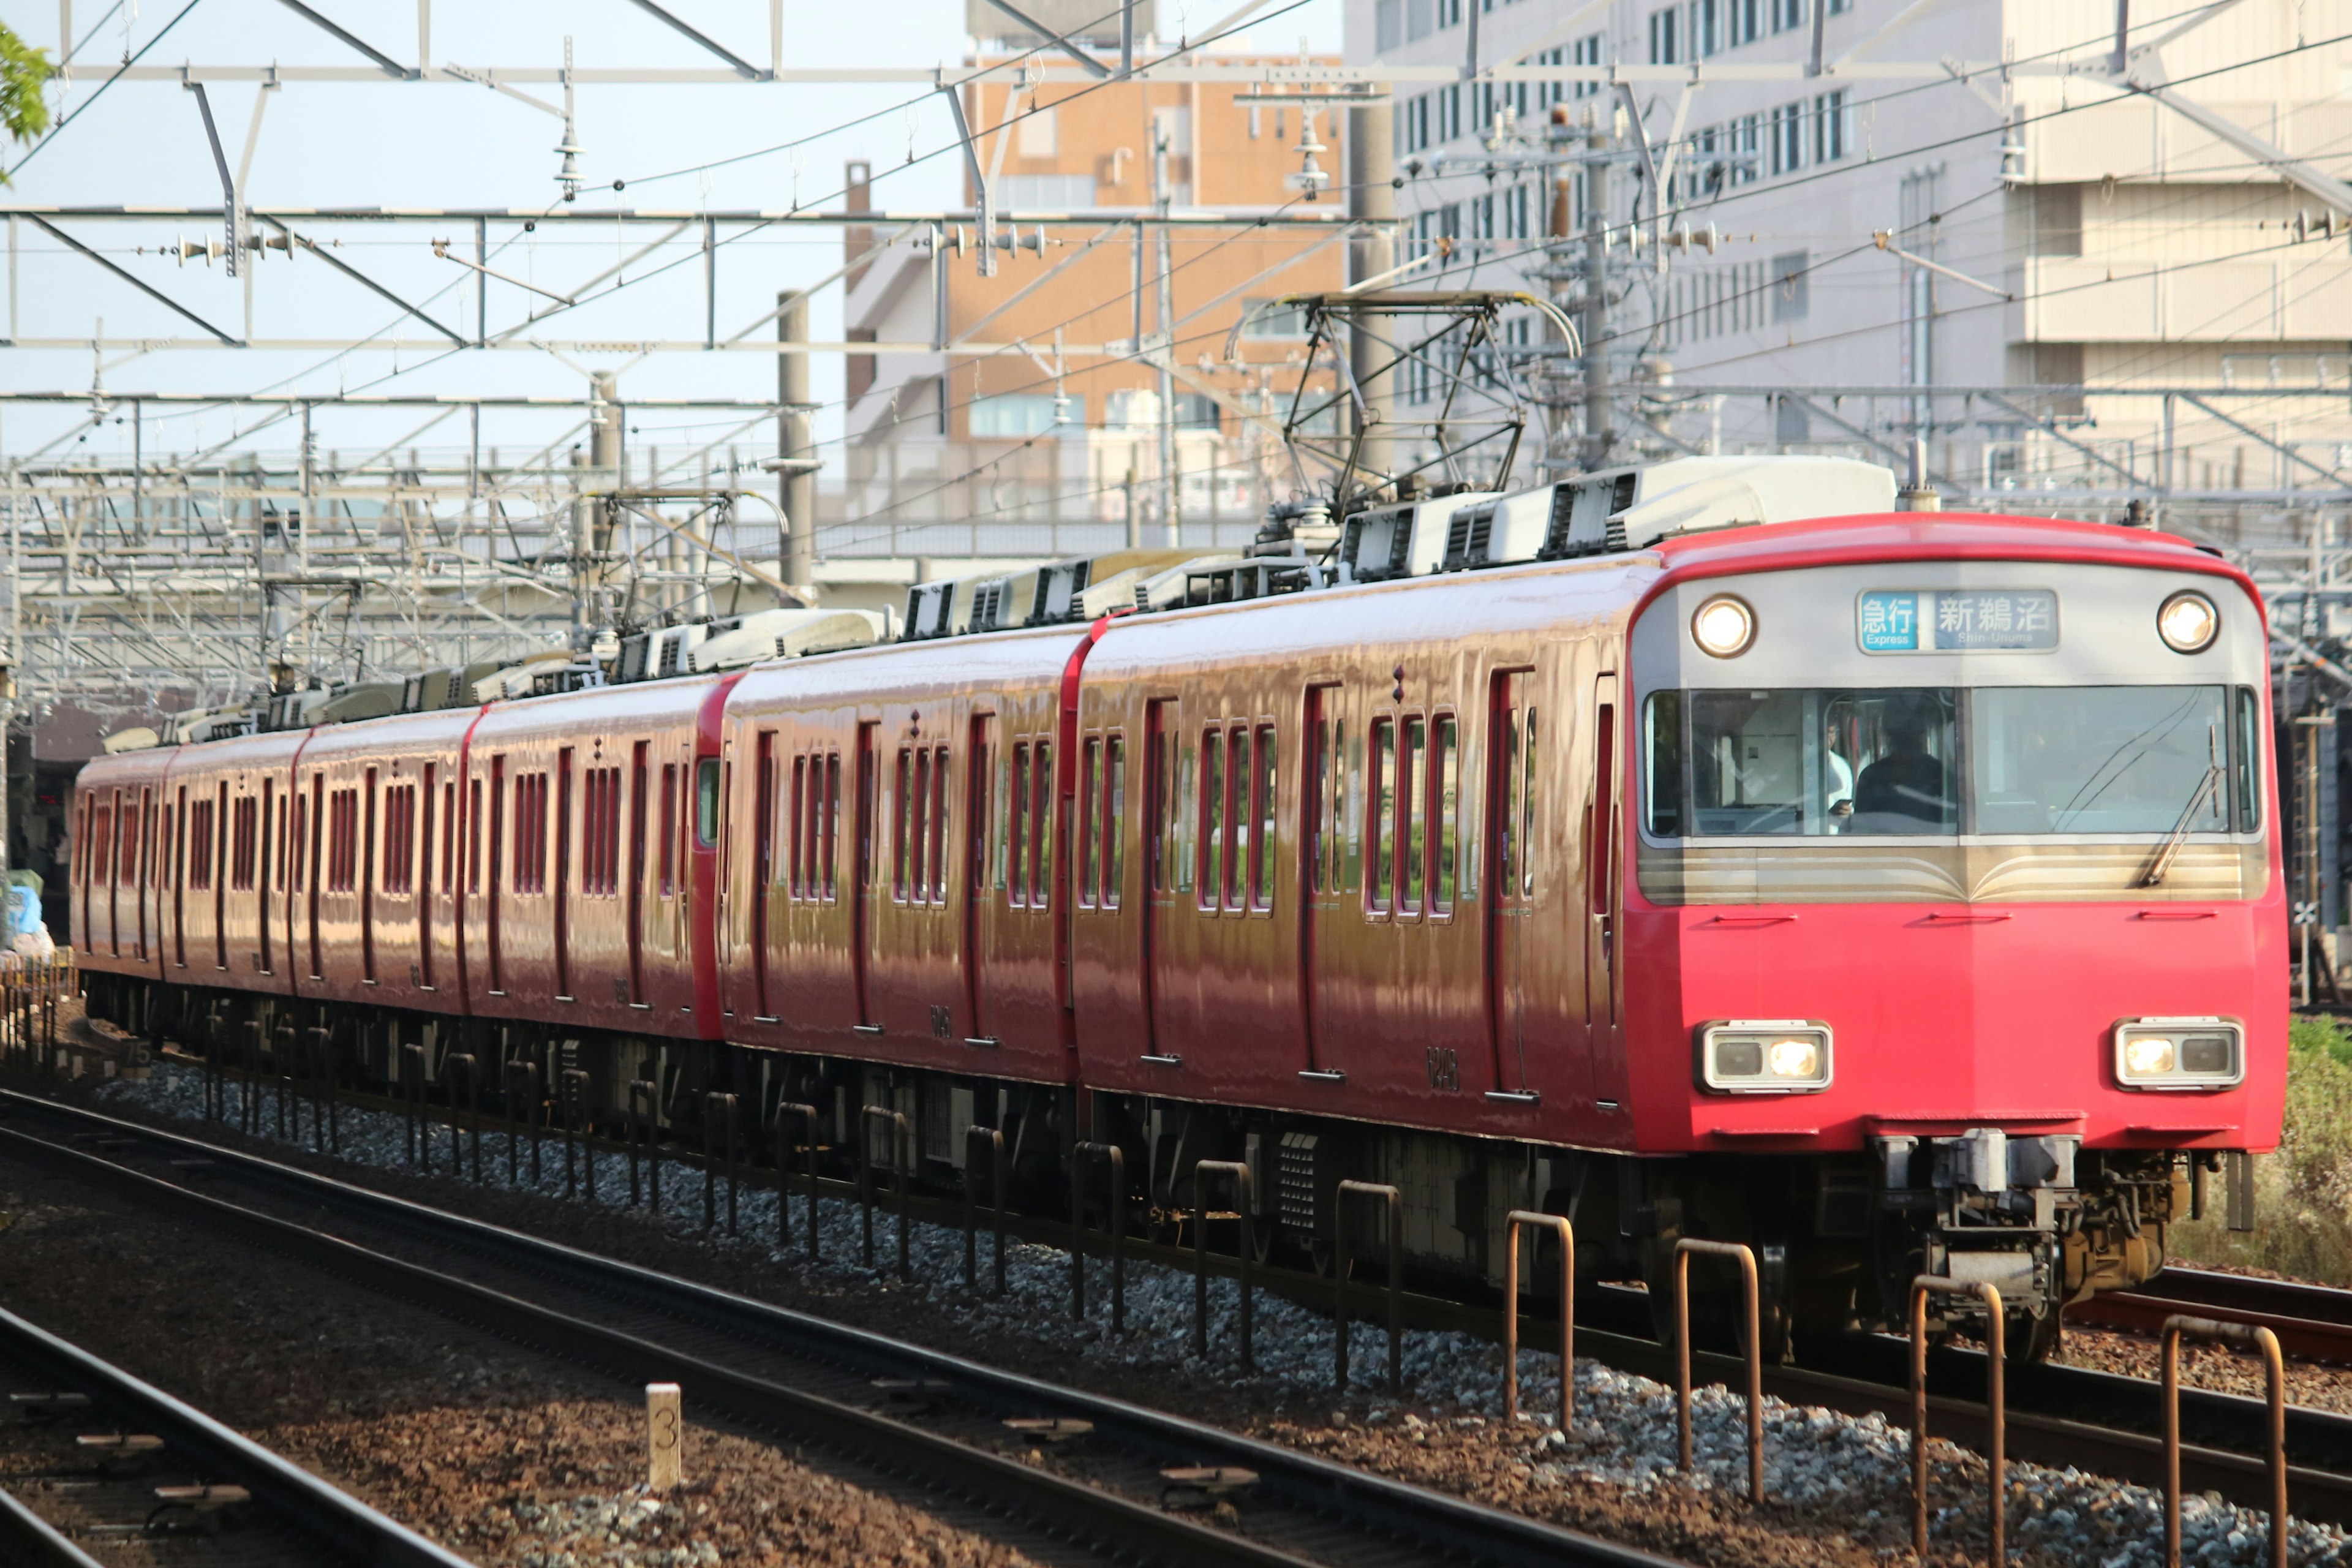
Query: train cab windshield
(1944, 761)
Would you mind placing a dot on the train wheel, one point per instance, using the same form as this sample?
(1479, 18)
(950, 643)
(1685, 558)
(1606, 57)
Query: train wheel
(2033, 1338)
(1717, 1316)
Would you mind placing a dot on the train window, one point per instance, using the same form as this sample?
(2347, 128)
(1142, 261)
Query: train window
(808, 826)
(1320, 838)
(900, 847)
(1662, 763)
(2099, 759)
(294, 845)
(919, 815)
(796, 835)
(1158, 801)
(531, 832)
(1445, 812)
(449, 836)
(668, 829)
(343, 839)
(1041, 831)
(99, 842)
(1262, 790)
(1528, 754)
(200, 844)
(1412, 831)
(600, 848)
(473, 833)
(1015, 837)
(1114, 827)
(940, 826)
(1377, 845)
(1210, 873)
(831, 815)
(399, 831)
(1240, 814)
(1507, 800)
(2246, 773)
(706, 803)
(1089, 812)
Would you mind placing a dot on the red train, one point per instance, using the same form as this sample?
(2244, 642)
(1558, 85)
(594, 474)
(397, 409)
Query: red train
(1895, 893)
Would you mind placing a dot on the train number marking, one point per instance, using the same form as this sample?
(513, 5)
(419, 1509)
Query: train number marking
(942, 1020)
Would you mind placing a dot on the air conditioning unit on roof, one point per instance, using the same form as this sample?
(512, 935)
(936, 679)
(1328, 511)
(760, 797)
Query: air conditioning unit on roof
(1404, 539)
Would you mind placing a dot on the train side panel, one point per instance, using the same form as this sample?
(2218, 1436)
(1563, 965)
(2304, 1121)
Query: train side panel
(896, 820)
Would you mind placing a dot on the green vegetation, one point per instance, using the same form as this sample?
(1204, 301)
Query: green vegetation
(2304, 1193)
(24, 71)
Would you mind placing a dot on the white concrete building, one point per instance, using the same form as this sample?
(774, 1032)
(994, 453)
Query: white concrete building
(2101, 243)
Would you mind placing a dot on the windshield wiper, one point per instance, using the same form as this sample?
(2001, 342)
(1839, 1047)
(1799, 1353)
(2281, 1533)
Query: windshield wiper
(2179, 833)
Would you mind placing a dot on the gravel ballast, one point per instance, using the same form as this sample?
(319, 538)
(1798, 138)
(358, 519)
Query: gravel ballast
(1838, 1487)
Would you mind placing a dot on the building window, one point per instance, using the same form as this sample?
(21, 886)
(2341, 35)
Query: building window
(1743, 22)
(1787, 15)
(1830, 140)
(1666, 37)
(1787, 139)
(1011, 415)
(1388, 26)
(1789, 272)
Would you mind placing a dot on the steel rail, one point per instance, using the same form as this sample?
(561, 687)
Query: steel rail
(2056, 1415)
(1382, 1517)
(354, 1531)
(2313, 1322)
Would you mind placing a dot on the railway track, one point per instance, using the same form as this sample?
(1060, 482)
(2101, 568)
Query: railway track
(2313, 1322)
(121, 1460)
(934, 1422)
(2058, 1416)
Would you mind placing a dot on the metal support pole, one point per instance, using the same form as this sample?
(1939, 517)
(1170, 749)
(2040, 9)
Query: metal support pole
(1240, 1172)
(449, 1065)
(1996, 1411)
(2237, 1336)
(644, 1124)
(1558, 1225)
(571, 1094)
(901, 1151)
(1393, 1201)
(974, 1138)
(1747, 1285)
(796, 442)
(411, 1076)
(522, 1107)
(807, 1113)
(718, 1109)
(1117, 1156)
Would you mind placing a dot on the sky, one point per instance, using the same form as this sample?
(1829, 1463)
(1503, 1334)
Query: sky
(394, 145)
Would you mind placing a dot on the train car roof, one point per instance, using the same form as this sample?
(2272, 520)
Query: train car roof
(632, 706)
(934, 666)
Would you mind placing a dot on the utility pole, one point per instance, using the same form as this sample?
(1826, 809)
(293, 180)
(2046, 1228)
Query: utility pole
(1163, 295)
(796, 443)
(1371, 200)
(606, 421)
(1594, 324)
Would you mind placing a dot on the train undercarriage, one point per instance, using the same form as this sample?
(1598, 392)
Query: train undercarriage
(1838, 1239)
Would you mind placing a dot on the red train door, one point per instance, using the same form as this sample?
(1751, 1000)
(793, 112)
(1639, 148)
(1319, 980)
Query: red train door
(317, 871)
(423, 857)
(146, 862)
(764, 874)
(979, 758)
(1511, 750)
(861, 920)
(1603, 1011)
(261, 870)
(1322, 794)
(179, 882)
(563, 992)
(220, 872)
(638, 770)
(498, 873)
(1160, 852)
(367, 886)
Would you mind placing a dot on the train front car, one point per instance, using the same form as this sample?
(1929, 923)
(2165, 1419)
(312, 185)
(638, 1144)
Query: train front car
(1955, 938)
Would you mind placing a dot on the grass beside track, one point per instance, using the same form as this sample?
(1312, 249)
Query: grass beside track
(2302, 1206)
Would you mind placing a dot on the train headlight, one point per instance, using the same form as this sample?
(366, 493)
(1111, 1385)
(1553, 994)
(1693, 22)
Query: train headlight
(2188, 622)
(2179, 1053)
(1764, 1055)
(1724, 626)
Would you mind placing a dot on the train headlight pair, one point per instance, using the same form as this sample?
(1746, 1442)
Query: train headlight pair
(2179, 1053)
(1764, 1055)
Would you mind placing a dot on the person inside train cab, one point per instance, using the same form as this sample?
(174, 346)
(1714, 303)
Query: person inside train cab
(1909, 789)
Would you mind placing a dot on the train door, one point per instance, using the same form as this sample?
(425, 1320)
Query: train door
(764, 874)
(638, 770)
(316, 872)
(563, 992)
(1160, 849)
(1603, 1008)
(1322, 835)
(179, 882)
(218, 853)
(861, 882)
(367, 884)
(981, 758)
(1512, 739)
(497, 874)
(261, 871)
(146, 861)
(424, 881)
